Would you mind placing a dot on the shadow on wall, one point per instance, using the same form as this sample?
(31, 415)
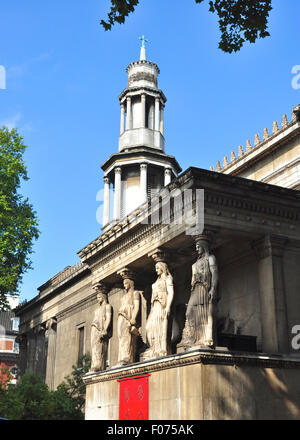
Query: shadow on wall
(251, 393)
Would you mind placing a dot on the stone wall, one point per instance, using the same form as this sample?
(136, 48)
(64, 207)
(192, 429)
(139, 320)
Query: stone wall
(281, 167)
(67, 341)
(230, 389)
(292, 283)
(239, 308)
(239, 305)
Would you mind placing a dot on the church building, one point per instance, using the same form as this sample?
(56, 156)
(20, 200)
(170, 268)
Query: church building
(189, 299)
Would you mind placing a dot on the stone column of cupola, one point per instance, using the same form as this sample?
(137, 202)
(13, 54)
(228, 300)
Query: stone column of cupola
(143, 182)
(128, 113)
(168, 176)
(117, 195)
(156, 117)
(143, 110)
(106, 205)
(122, 121)
(162, 120)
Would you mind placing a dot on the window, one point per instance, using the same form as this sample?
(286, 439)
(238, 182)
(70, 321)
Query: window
(80, 342)
(16, 347)
(6, 344)
(15, 324)
(14, 370)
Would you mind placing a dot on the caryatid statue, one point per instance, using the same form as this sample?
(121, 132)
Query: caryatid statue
(157, 325)
(99, 330)
(127, 319)
(200, 314)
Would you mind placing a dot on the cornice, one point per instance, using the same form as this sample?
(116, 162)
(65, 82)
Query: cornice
(281, 170)
(34, 321)
(270, 245)
(141, 152)
(209, 178)
(264, 148)
(75, 308)
(142, 62)
(213, 357)
(65, 275)
(42, 298)
(222, 193)
(140, 90)
(263, 207)
(134, 219)
(128, 242)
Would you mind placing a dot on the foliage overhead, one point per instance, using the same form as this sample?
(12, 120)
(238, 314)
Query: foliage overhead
(18, 221)
(239, 20)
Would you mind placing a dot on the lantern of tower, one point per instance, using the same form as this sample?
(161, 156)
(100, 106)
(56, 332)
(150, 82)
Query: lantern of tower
(141, 167)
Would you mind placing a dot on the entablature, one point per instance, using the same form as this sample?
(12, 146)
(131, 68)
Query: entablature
(232, 205)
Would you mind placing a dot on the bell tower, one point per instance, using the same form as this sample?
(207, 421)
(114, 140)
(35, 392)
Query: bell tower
(142, 106)
(141, 167)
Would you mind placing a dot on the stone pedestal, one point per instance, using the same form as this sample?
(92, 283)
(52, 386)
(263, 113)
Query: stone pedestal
(182, 348)
(204, 385)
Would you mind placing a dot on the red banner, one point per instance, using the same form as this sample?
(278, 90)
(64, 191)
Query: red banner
(134, 398)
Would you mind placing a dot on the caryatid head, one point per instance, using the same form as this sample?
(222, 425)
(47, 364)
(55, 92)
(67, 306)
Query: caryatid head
(128, 284)
(202, 245)
(101, 290)
(162, 268)
(128, 278)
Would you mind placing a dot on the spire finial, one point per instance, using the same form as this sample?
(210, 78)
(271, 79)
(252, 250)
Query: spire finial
(143, 48)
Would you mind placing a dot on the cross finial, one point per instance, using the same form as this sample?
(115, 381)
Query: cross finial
(143, 48)
(143, 40)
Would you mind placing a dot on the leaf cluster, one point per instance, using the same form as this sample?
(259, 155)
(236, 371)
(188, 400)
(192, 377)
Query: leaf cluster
(31, 399)
(118, 11)
(5, 377)
(239, 20)
(18, 221)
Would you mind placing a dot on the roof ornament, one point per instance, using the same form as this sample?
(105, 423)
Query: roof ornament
(143, 48)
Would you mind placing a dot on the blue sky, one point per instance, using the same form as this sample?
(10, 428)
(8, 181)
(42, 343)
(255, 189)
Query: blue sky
(64, 75)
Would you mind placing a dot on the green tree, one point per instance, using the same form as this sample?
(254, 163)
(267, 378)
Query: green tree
(5, 377)
(239, 20)
(31, 399)
(64, 406)
(74, 384)
(18, 221)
